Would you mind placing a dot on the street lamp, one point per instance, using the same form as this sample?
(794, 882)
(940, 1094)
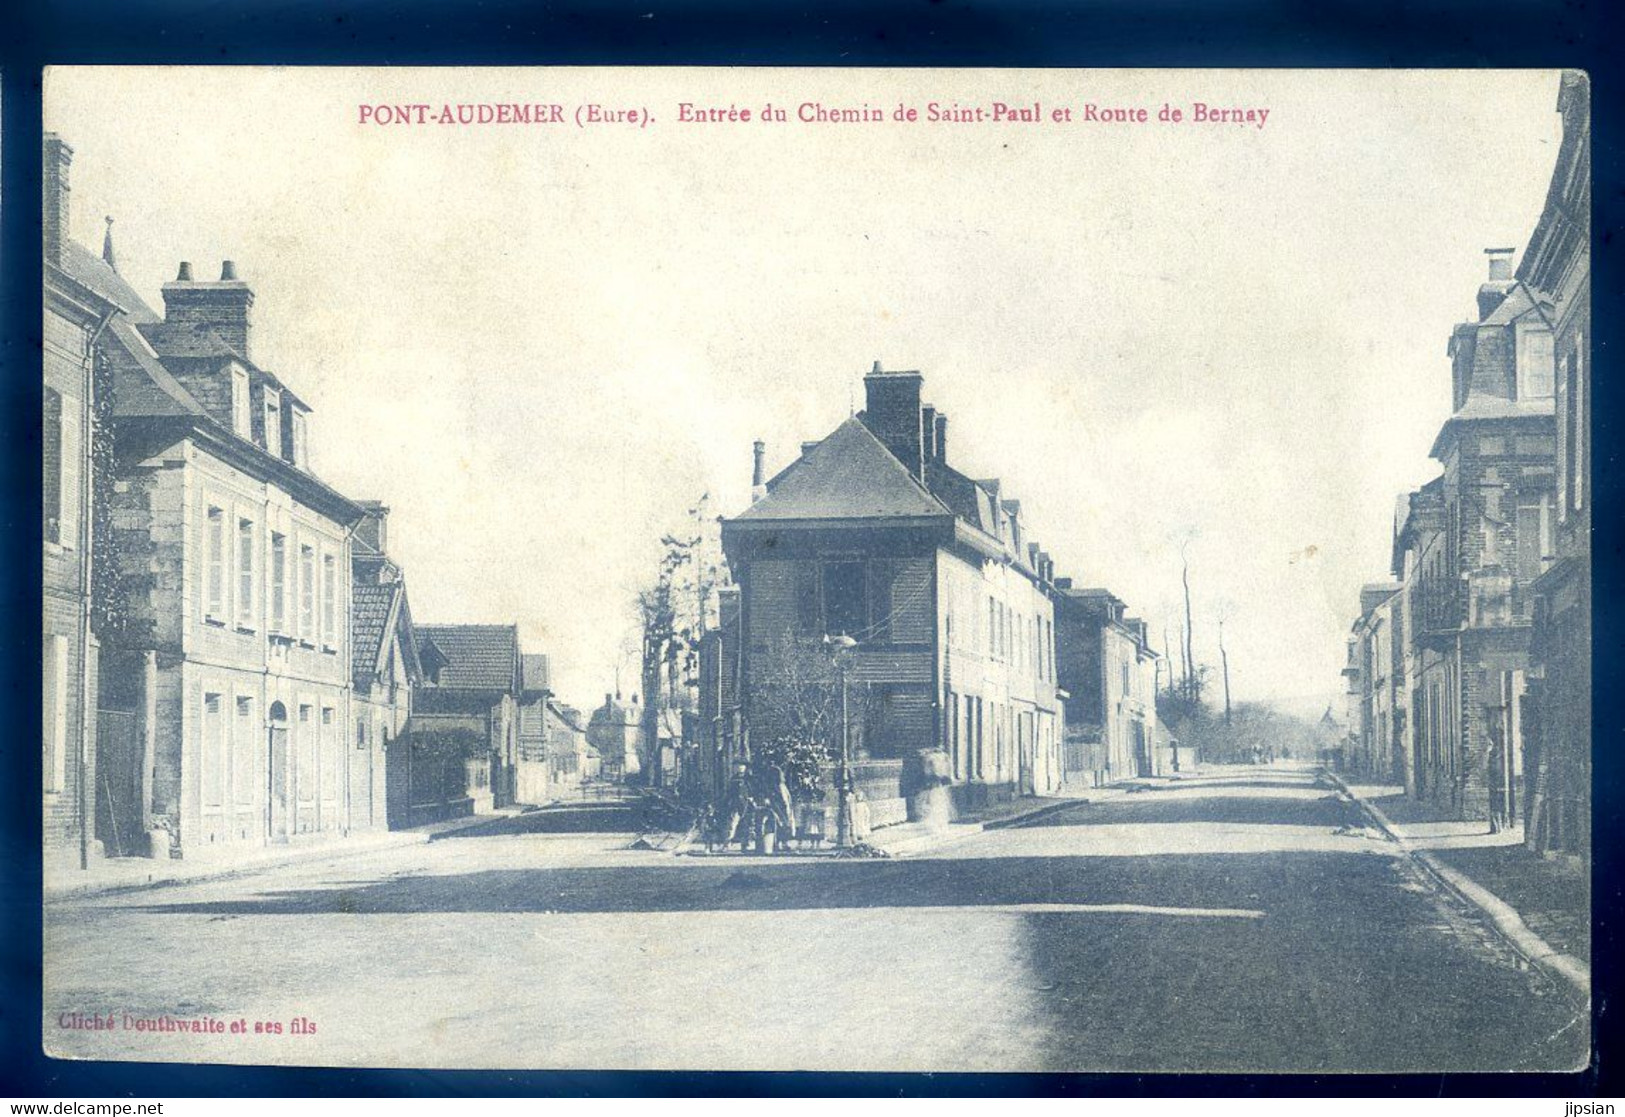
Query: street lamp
(839, 646)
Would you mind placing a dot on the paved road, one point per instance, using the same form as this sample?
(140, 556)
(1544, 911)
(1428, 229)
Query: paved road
(1239, 922)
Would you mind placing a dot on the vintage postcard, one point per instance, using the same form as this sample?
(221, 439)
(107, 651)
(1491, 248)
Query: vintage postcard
(813, 569)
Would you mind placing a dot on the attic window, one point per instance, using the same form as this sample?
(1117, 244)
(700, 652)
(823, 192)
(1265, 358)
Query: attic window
(273, 420)
(1536, 364)
(300, 438)
(240, 414)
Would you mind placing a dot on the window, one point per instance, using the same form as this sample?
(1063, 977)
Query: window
(273, 421)
(240, 415)
(245, 573)
(214, 751)
(299, 439)
(1534, 541)
(54, 719)
(1126, 680)
(244, 749)
(845, 599)
(307, 593)
(214, 588)
(55, 479)
(1535, 367)
(992, 628)
(279, 582)
(330, 597)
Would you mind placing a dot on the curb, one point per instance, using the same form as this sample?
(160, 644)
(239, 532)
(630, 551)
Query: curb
(957, 831)
(1502, 915)
(1033, 815)
(399, 839)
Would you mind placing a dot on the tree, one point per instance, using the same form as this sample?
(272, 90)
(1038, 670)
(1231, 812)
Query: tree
(1193, 679)
(673, 614)
(798, 687)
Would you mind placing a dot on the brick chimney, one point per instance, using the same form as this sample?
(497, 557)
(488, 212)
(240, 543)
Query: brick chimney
(758, 470)
(223, 306)
(57, 158)
(940, 441)
(892, 412)
(928, 430)
(373, 530)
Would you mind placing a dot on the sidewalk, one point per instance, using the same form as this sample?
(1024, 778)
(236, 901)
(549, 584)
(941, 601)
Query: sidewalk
(909, 838)
(1543, 908)
(129, 874)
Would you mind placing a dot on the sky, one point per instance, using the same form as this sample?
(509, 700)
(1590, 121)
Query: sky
(540, 344)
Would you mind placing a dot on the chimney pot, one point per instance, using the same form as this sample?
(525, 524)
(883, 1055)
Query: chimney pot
(758, 471)
(875, 369)
(225, 307)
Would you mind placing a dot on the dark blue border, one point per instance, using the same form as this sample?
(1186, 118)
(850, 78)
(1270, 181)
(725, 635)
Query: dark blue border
(1363, 33)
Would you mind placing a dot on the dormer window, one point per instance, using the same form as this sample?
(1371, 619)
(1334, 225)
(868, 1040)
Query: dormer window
(273, 420)
(241, 422)
(300, 457)
(1537, 367)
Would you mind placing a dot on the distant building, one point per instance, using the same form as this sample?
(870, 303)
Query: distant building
(615, 730)
(470, 698)
(1557, 263)
(1109, 675)
(534, 777)
(870, 533)
(1428, 670)
(386, 668)
(75, 317)
(1377, 644)
(571, 760)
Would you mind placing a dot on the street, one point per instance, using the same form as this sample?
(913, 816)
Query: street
(1241, 921)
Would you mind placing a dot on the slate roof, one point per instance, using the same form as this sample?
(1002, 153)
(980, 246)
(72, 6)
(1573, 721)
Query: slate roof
(157, 393)
(95, 273)
(478, 656)
(189, 341)
(848, 476)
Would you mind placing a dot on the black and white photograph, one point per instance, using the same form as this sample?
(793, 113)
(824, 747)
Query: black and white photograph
(769, 569)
